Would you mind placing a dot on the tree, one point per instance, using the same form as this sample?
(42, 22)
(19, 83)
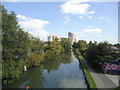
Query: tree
(52, 49)
(82, 45)
(15, 46)
(75, 45)
(96, 54)
(65, 43)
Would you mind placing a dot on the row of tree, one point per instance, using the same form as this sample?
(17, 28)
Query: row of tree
(96, 53)
(20, 49)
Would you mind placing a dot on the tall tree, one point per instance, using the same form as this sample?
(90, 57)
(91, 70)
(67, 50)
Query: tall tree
(82, 45)
(65, 43)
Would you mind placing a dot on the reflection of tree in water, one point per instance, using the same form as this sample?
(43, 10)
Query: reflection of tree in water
(36, 78)
(54, 63)
(33, 78)
(66, 58)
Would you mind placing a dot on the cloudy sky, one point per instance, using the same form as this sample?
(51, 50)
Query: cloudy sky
(95, 21)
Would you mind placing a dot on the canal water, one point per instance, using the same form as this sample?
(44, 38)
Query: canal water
(62, 71)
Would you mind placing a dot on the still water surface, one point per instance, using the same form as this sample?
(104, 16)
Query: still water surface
(63, 71)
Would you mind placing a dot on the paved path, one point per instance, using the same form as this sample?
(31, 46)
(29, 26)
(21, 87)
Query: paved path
(101, 80)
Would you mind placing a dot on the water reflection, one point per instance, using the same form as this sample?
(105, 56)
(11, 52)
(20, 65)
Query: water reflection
(31, 78)
(54, 63)
(72, 83)
(62, 71)
(71, 57)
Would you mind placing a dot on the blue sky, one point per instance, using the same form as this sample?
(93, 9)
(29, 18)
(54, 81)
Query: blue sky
(96, 21)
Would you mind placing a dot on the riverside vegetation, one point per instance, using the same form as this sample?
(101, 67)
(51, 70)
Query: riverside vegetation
(20, 49)
(97, 53)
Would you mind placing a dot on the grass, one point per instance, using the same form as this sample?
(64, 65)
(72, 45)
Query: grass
(88, 76)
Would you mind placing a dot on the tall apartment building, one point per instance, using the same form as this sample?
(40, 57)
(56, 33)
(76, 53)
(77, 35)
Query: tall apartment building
(71, 37)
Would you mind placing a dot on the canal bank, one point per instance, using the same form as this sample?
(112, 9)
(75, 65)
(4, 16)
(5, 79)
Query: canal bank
(89, 80)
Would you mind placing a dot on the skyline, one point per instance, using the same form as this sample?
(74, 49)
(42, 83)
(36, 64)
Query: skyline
(87, 20)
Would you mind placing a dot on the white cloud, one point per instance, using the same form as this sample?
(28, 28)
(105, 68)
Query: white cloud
(33, 26)
(91, 12)
(95, 30)
(75, 7)
(67, 20)
(83, 33)
(80, 35)
(41, 33)
(90, 17)
(81, 17)
(105, 19)
(21, 17)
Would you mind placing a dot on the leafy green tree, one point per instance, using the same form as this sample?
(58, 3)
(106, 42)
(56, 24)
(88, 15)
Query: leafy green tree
(15, 40)
(117, 45)
(34, 59)
(65, 43)
(75, 45)
(82, 45)
(52, 49)
(15, 45)
(96, 54)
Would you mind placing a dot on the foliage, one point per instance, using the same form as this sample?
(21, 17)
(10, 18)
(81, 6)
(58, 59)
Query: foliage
(15, 46)
(96, 54)
(15, 40)
(117, 45)
(19, 46)
(65, 43)
(52, 49)
(11, 71)
(81, 45)
(34, 59)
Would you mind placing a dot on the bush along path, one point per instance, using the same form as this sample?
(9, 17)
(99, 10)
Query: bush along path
(88, 77)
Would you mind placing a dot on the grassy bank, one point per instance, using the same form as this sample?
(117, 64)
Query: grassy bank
(90, 81)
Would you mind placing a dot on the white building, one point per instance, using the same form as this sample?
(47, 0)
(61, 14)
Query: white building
(49, 38)
(71, 37)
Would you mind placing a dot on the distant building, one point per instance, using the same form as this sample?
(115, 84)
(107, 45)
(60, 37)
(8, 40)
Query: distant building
(54, 37)
(49, 38)
(71, 37)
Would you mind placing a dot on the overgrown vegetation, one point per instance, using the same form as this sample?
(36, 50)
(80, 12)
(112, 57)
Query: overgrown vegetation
(20, 49)
(97, 53)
